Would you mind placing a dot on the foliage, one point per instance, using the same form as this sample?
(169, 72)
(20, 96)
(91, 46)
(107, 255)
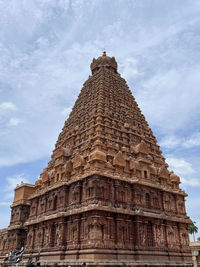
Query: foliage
(193, 229)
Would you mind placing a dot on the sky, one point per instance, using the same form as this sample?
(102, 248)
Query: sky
(46, 48)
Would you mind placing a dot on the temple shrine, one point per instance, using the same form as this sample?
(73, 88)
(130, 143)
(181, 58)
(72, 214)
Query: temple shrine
(106, 197)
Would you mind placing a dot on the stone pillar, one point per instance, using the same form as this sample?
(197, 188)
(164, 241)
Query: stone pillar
(179, 235)
(36, 207)
(33, 238)
(165, 233)
(138, 224)
(194, 258)
(43, 233)
(80, 189)
(162, 200)
(112, 192)
(66, 196)
(45, 205)
(175, 202)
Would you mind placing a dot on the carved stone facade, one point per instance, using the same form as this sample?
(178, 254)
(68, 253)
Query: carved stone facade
(106, 196)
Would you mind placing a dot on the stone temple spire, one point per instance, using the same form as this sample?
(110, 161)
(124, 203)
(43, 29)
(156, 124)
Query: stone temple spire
(106, 197)
(107, 133)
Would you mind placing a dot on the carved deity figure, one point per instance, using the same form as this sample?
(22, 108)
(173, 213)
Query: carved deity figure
(59, 234)
(159, 235)
(142, 234)
(171, 236)
(29, 239)
(74, 232)
(167, 203)
(138, 199)
(47, 236)
(184, 239)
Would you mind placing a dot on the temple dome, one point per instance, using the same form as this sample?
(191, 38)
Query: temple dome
(103, 61)
(174, 178)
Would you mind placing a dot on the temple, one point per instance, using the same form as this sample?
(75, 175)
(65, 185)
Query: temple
(106, 197)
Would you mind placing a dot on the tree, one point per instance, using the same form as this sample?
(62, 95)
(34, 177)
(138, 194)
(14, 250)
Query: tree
(198, 238)
(193, 229)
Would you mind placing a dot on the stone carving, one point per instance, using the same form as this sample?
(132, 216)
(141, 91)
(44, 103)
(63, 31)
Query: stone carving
(62, 151)
(97, 155)
(159, 235)
(59, 235)
(171, 236)
(119, 160)
(78, 161)
(142, 235)
(163, 172)
(174, 178)
(44, 176)
(184, 239)
(68, 167)
(142, 148)
(47, 236)
(134, 165)
(107, 186)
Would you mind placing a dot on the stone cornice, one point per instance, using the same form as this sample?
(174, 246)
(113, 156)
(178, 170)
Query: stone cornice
(20, 202)
(138, 212)
(15, 226)
(133, 180)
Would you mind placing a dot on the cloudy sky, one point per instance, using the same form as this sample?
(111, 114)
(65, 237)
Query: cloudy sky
(46, 48)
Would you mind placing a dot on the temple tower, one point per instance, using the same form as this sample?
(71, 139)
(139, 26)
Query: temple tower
(107, 196)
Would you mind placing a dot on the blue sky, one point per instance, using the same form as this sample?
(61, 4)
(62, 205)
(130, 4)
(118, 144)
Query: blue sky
(46, 48)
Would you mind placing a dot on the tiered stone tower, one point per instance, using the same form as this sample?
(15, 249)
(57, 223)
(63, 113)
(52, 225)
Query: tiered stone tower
(106, 196)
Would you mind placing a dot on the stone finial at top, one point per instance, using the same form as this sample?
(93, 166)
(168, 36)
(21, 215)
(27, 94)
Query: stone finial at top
(103, 61)
(104, 53)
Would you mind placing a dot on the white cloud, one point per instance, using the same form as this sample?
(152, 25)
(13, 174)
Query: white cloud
(170, 141)
(3, 203)
(185, 170)
(14, 122)
(7, 192)
(180, 166)
(192, 141)
(129, 68)
(190, 182)
(13, 181)
(66, 111)
(170, 99)
(174, 141)
(7, 106)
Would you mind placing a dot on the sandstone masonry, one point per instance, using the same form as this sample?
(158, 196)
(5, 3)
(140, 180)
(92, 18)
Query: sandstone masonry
(106, 197)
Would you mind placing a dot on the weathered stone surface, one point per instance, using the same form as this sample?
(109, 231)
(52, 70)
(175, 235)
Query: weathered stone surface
(106, 196)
